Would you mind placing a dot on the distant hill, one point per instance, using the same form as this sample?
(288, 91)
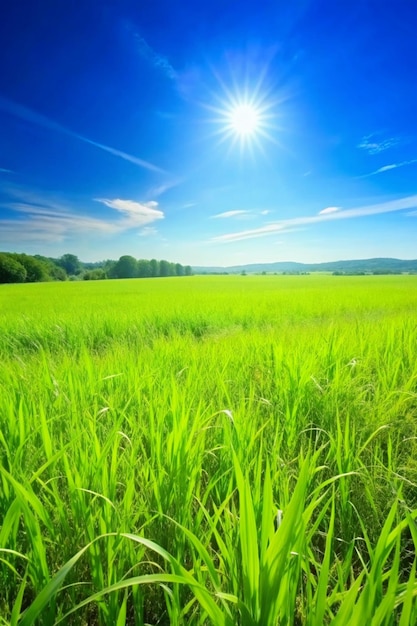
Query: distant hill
(379, 265)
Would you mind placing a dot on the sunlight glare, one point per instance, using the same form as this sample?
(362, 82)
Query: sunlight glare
(244, 119)
(245, 116)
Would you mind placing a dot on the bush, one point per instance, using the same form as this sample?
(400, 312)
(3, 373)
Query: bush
(36, 270)
(97, 274)
(11, 271)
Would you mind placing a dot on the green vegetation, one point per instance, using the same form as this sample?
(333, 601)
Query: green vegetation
(218, 450)
(23, 268)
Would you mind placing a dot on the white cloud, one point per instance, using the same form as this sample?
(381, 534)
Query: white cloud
(135, 213)
(269, 229)
(227, 214)
(46, 224)
(392, 166)
(330, 209)
(373, 145)
(241, 213)
(46, 220)
(3, 170)
(409, 202)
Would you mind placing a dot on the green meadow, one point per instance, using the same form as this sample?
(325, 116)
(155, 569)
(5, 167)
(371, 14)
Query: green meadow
(231, 450)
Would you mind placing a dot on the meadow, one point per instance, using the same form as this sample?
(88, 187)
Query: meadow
(231, 450)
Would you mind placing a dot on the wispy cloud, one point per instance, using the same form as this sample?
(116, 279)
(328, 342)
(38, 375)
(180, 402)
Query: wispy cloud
(48, 224)
(374, 145)
(123, 155)
(134, 213)
(227, 214)
(241, 213)
(149, 54)
(392, 166)
(18, 110)
(287, 224)
(148, 231)
(4, 170)
(158, 190)
(43, 219)
(330, 209)
(385, 168)
(158, 61)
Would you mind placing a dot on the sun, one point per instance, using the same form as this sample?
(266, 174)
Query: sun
(245, 111)
(244, 119)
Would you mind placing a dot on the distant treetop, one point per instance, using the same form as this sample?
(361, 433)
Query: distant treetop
(23, 268)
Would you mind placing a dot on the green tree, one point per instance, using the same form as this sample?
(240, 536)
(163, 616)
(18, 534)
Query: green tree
(179, 269)
(57, 273)
(108, 267)
(36, 271)
(11, 271)
(126, 267)
(144, 268)
(188, 270)
(164, 268)
(71, 264)
(154, 268)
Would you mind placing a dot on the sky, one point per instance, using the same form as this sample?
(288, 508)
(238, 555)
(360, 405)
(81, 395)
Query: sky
(209, 133)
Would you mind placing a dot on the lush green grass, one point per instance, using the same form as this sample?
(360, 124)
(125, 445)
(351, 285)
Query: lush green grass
(217, 450)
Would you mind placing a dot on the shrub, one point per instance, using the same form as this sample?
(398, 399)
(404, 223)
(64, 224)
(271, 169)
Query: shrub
(11, 271)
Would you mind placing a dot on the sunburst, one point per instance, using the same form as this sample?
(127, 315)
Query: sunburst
(245, 119)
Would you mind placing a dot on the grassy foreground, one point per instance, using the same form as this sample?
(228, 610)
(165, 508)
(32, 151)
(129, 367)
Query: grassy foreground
(216, 450)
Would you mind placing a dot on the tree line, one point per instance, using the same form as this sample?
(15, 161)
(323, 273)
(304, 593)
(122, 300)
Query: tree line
(24, 268)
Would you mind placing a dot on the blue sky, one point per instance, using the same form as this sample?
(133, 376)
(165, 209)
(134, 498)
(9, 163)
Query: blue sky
(118, 133)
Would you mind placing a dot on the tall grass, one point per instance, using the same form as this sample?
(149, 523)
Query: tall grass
(234, 450)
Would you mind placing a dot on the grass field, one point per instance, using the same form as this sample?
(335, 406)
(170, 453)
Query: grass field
(209, 450)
